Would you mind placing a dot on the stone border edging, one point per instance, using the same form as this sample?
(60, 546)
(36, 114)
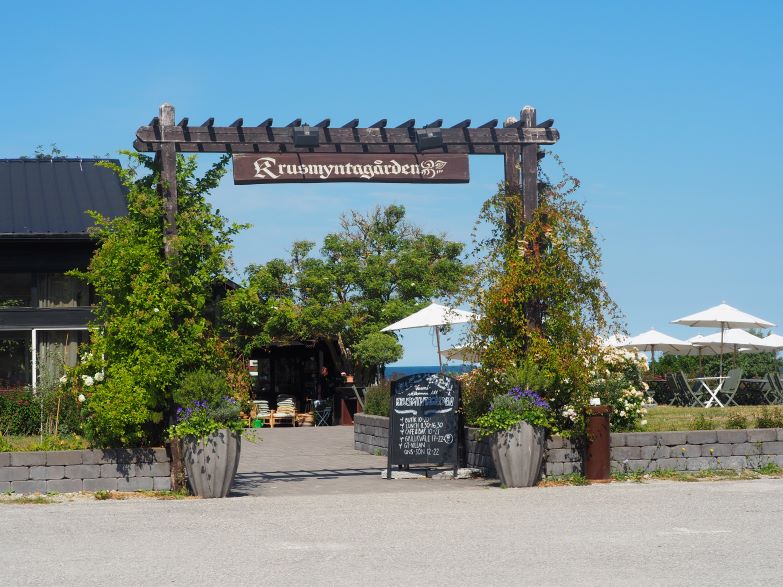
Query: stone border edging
(692, 450)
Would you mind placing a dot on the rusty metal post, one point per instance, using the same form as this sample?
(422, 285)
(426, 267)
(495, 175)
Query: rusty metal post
(597, 456)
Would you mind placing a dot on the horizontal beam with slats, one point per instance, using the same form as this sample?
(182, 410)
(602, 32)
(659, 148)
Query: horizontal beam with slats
(241, 139)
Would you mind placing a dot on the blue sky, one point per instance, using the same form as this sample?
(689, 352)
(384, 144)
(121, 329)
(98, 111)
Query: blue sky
(669, 113)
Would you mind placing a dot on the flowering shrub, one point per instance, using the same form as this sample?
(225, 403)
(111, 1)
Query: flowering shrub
(481, 386)
(617, 381)
(518, 405)
(200, 418)
(205, 405)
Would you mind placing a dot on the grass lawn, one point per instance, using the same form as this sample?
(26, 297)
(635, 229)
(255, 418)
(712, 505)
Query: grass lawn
(666, 418)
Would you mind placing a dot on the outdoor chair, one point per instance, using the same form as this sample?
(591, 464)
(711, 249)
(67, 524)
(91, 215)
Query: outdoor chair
(286, 409)
(777, 387)
(675, 391)
(731, 385)
(692, 395)
(262, 412)
(323, 412)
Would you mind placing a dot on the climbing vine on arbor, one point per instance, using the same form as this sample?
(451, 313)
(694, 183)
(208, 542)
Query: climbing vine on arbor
(153, 322)
(539, 291)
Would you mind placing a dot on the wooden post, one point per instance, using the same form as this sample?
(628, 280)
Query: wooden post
(511, 156)
(529, 166)
(534, 309)
(167, 186)
(166, 162)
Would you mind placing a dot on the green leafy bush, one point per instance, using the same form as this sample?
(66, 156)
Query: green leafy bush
(518, 405)
(152, 324)
(201, 418)
(202, 384)
(482, 385)
(736, 421)
(702, 423)
(20, 413)
(119, 411)
(377, 348)
(377, 399)
(49, 411)
(770, 418)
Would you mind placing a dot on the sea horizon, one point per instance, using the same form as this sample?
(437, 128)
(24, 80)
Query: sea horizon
(393, 372)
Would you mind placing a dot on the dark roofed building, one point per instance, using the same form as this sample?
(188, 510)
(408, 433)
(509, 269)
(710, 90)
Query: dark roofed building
(44, 233)
(50, 198)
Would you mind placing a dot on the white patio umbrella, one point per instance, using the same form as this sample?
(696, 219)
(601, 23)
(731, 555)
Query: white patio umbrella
(723, 316)
(737, 339)
(698, 349)
(652, 341)
(774, 339)
(433, 316)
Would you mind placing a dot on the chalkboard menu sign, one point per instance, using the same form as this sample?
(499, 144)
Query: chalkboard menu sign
(423, 427)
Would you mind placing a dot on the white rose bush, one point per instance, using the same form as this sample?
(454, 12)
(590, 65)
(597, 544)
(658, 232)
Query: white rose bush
(617, 381)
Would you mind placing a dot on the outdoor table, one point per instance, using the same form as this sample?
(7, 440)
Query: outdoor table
(713, 391)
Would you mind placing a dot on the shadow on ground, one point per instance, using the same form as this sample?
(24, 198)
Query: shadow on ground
(248, 483)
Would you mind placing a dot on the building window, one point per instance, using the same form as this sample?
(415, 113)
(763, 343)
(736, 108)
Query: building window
(56, 290)
(57, 349)
(16, 290)
(15, 359)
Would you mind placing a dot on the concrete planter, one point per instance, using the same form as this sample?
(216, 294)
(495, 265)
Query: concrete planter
(517, 454)
(212, 462)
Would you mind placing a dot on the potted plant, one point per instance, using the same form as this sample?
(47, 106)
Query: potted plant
(517, 422)
(209, 427)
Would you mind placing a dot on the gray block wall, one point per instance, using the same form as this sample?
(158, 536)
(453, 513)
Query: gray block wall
(697, 450)
(71, 471)
(371, 434)
(631, 451)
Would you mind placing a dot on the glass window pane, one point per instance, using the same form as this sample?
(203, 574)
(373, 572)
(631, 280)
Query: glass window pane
(16, 289)
(15, 359)
(56, 290)
(56, 349)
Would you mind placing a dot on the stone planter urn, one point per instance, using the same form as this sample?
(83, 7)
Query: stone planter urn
(211, 462)
(517, 454)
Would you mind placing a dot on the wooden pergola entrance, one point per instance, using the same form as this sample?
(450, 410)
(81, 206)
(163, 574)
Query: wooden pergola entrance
(517, 140)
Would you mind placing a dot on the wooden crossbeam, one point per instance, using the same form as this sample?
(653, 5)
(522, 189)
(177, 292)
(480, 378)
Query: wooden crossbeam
(377, 139)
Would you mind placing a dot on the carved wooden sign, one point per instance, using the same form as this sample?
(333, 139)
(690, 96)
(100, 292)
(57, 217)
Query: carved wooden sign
(319, 167)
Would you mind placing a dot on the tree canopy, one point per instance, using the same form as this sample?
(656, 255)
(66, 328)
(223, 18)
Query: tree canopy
(377, 269)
